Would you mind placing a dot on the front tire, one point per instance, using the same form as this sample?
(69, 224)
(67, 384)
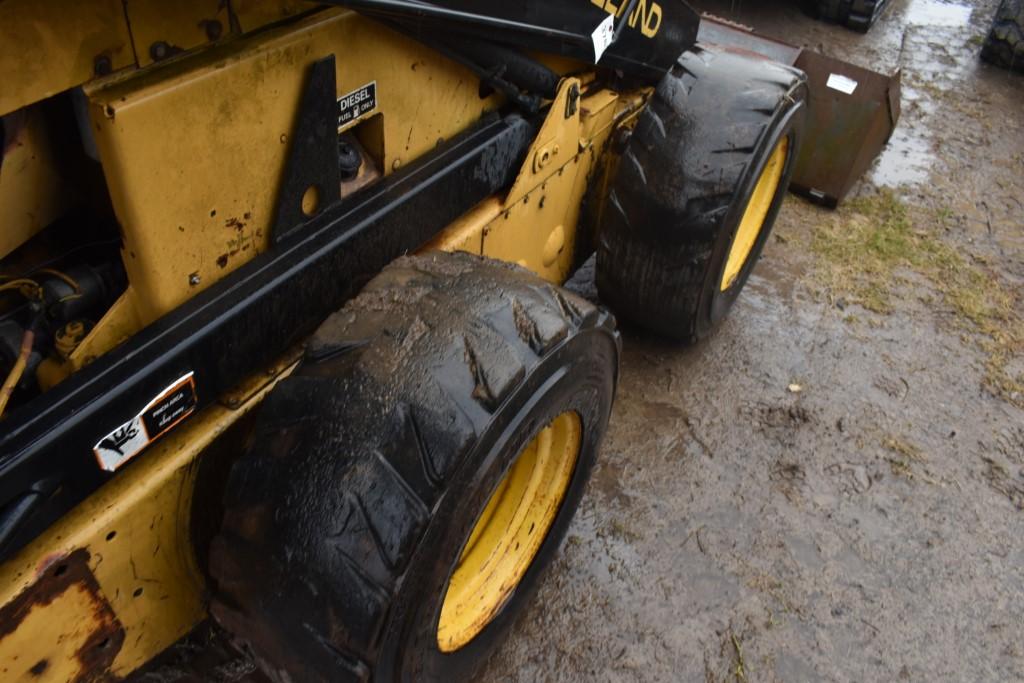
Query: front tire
(363, 539)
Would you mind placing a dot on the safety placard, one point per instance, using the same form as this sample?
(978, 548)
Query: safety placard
(357, 103)
(168, 408)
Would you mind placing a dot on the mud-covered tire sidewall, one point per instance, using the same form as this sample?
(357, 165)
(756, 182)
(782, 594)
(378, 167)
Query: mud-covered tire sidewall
(715, 304)
(575, 377)
(371, 464)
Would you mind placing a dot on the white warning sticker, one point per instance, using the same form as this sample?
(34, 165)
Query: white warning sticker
(603, 36)
(168, 408)
(842, 83)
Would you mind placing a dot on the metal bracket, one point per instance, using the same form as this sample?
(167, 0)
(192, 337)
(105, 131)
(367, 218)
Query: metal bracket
(556, 143)
(312, 177)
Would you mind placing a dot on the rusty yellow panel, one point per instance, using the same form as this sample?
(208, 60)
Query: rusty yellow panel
(539, 231)
(31, 192)
(133, 537)
(48, 47)
(64, 601)
(193, 152)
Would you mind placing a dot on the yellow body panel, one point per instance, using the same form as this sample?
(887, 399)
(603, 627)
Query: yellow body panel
(192, 151)
(252, 14)
(534, 225)
(31, 192)
(48, 47)
(161, 29)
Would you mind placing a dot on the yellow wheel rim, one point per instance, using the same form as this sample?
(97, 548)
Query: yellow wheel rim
(757, 210)
(509, 532)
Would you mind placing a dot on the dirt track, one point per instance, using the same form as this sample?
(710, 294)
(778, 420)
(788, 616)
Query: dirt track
(832, 487)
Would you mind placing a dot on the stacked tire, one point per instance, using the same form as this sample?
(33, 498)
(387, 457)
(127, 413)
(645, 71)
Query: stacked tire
(859, 15)
(1004, 45)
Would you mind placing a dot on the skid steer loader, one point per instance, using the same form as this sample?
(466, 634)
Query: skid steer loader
(283, 340)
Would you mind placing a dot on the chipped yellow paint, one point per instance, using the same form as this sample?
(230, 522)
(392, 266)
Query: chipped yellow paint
(24, 656)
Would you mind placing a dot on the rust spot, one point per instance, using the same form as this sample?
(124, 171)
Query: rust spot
(57, 576)
(222, 260)
(234, 223)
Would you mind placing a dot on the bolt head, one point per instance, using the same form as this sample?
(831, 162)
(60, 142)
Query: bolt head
(159, 50)
(101, 65)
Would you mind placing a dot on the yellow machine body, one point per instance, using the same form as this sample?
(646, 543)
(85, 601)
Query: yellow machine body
(192, 150)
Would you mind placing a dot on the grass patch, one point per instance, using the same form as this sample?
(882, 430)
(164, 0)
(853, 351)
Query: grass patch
(900, 468)
(878, 243)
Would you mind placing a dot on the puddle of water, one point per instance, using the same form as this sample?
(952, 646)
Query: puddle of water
(938, 13)
(906, 160)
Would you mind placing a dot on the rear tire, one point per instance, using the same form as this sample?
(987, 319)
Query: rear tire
(697, 191)
(373, 462)
(1004, 45)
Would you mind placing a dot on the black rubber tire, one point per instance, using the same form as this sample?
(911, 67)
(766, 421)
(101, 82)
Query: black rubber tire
(372, 461)
(859, 15)
(683, 183)
(1004, 45)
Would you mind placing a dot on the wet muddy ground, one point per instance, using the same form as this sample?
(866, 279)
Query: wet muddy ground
(832, 486)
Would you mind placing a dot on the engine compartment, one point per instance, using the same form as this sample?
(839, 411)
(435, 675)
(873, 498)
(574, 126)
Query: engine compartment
(60, 269)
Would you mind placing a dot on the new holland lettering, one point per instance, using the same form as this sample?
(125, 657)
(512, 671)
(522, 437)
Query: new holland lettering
(646, 16)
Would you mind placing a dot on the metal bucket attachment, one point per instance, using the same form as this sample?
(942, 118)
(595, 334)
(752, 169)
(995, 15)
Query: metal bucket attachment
(853, 111)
